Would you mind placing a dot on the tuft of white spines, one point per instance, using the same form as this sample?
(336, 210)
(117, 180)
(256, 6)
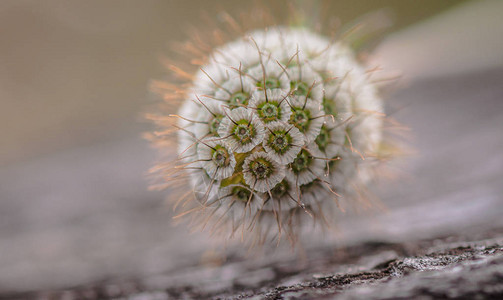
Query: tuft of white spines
(278, 123)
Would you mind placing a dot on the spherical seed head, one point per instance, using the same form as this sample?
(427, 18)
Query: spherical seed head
(282, 120)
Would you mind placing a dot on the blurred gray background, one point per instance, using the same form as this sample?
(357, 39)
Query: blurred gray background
(74, 75)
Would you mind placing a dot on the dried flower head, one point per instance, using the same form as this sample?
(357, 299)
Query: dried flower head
(277, 125)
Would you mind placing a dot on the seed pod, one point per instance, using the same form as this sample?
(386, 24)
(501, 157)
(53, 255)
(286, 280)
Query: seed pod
(277, 125)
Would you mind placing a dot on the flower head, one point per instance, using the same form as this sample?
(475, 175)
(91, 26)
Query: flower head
(275, 125)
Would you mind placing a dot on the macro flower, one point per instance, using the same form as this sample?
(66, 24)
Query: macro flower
(277, 124)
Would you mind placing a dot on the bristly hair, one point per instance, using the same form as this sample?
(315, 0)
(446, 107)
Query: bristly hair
(230, 206)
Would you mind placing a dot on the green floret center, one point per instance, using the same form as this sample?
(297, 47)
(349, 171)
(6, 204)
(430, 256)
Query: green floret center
(300, 88)
(323, 139)
(244, 132)
(301, 162)
(214, 124)
(261, 168)
(269, 111)
(238, 99)
(269, 83)
(300, 118)
(241, 193)
(220, 156)
(279, 141)
(280, 190)
(329, 107)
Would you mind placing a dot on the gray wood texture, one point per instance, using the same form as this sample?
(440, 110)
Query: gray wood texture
(81, 224)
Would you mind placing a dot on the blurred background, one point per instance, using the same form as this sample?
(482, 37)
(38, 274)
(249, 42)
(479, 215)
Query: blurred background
(74, 76)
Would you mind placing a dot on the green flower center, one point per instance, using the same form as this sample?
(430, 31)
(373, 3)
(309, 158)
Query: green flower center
(221, 156)
(301, 162)
(280, 189)
(244, 132)
(261, 168)
(238, 99)
(269, 83)
(323, 138)
(241, 193)
(300, 88)
(269, 111)
(300, 118)
(214, 124)
(279, 141)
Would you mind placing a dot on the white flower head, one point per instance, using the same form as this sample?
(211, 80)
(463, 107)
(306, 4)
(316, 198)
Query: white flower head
(271, 105)
(274, 122)
(261, 172)
(242, 129)
(283, 141)
(216, 158)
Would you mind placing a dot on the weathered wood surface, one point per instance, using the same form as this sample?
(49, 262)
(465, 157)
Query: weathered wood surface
(97, 233)
(468, 267)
